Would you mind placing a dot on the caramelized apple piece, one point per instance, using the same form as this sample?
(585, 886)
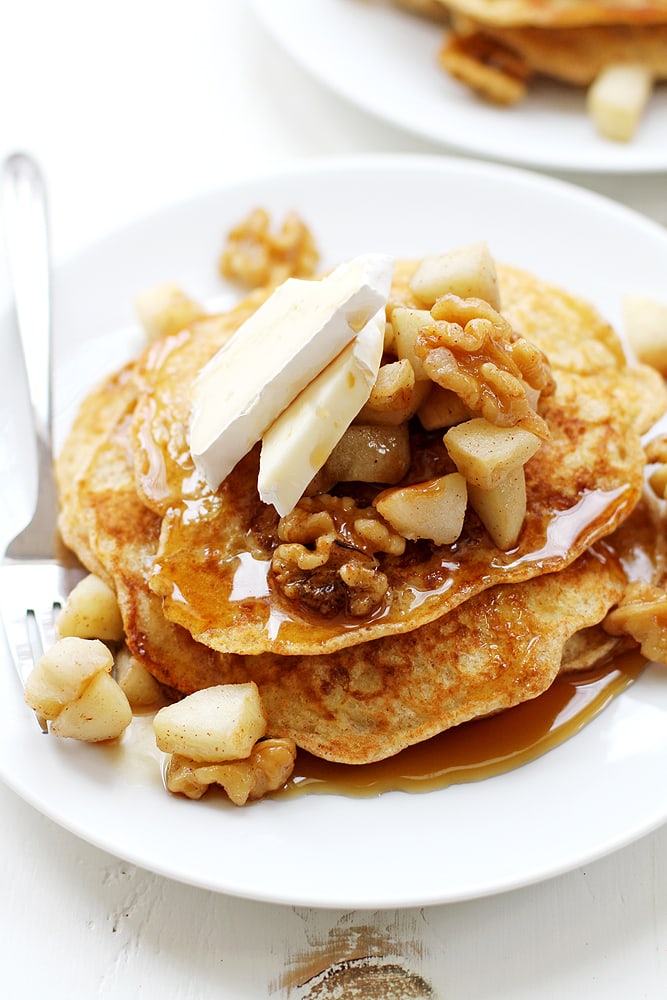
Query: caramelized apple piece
(101, 712)
(369, 454)
(442, 408)
(485, 454)
(395, 397)
(617, 98)
(434, 509)
(91, 612)
(215, 724)
(468, 271)
(502, 509)
(407, 324)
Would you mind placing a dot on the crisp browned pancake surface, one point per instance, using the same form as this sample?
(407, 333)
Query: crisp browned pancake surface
(127, 485)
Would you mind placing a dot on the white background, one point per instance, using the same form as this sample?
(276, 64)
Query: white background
(130, 107)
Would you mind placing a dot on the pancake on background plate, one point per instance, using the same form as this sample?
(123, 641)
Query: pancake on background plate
(561, 13)
(497, 47)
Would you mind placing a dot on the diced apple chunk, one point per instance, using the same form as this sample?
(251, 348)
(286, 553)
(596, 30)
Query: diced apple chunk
(101, 712)
(434, 509)
(389, 345)
(140, 687)
(395, 397)
(645, 324)
(485, 454)
(468, 271)
(62, 673)
(91, 612)
(502, 509)
(213, 725)
(407, 323)
(442, 408)
(617, 98)
(165, 309)
(369, 454)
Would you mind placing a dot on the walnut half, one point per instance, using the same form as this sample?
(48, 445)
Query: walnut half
(326, 560)
(257, 257)
(267, 769)
(642, 614)
(472, 350)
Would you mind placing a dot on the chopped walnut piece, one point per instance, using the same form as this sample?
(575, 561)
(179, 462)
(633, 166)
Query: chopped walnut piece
(257, 257)
(326, 559)
(267, 769)
(642, 614)
(366, 587)
(356, 527)
(473, 351)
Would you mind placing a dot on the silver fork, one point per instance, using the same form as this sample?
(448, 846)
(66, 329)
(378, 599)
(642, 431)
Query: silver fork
(33, 581)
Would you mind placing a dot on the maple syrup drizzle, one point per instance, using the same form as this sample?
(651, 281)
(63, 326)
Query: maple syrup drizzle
(243, 586)
(481, 748)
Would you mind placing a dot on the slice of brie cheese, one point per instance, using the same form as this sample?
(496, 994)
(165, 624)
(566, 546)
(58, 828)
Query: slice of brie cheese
(299, 441)
(275, 354)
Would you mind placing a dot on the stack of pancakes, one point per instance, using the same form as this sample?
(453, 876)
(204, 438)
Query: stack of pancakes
(497, 46)
(465, 629)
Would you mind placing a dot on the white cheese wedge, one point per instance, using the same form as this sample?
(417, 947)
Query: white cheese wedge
(299, 442)
(282, 347)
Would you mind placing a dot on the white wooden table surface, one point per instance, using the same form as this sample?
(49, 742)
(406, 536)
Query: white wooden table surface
(130, 107)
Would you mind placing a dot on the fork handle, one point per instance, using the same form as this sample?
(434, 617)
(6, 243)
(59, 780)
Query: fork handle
(27, 234)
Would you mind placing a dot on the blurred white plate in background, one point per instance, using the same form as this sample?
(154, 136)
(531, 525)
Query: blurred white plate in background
(384, 60)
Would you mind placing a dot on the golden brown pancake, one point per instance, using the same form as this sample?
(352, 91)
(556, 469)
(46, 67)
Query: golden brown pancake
(494, 645)
(100, 411)
(164, 470)
(497, 649)
(364, 703)
(212, 569)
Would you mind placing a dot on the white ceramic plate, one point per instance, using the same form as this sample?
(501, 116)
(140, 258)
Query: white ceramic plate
(595, 793)
(384, 60)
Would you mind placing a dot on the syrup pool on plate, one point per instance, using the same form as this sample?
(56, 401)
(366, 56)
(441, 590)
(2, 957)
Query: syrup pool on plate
(472, 751)
(480, 748)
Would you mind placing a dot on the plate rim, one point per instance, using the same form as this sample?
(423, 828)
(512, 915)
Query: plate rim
(386, 161)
